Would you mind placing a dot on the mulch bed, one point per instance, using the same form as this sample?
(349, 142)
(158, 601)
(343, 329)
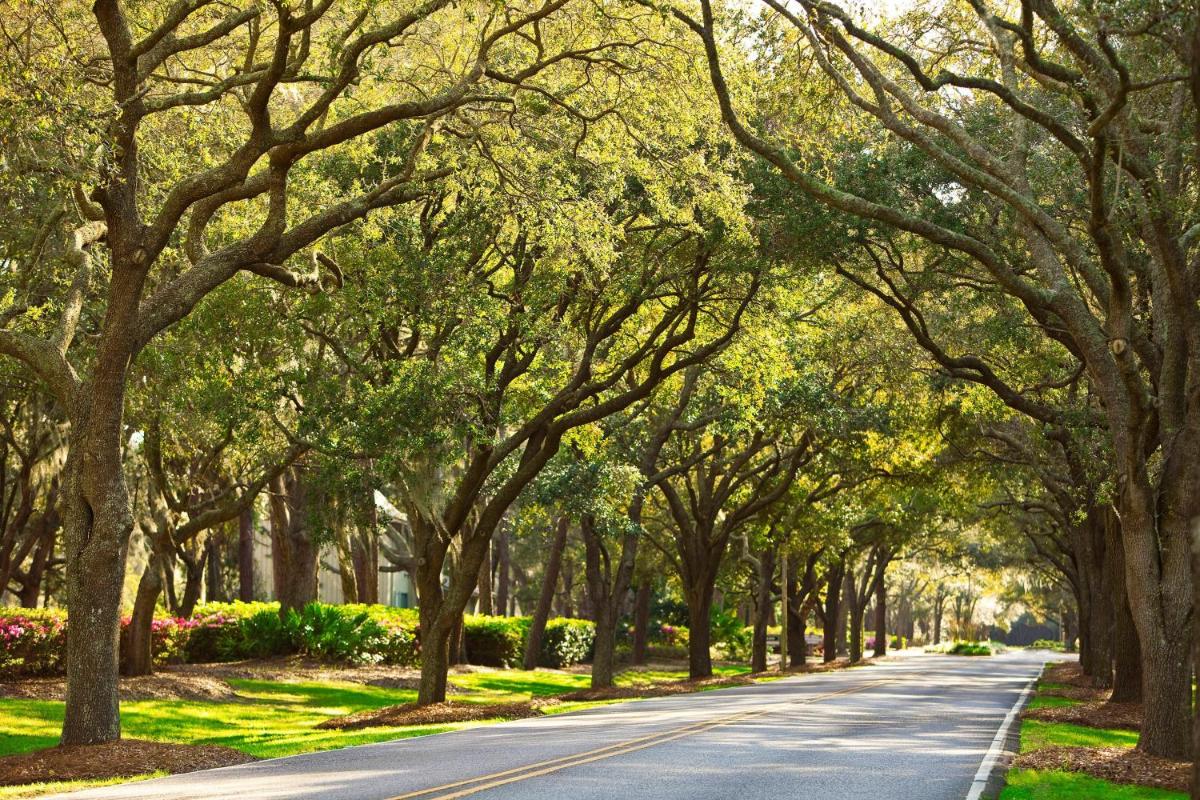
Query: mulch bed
(1093, 715)
(160, 686)
(1115, 764)
(1071, 674)
(122, 759)
(435, 714)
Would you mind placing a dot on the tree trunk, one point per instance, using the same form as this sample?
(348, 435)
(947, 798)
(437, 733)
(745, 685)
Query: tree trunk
(567, 573)
(96, 525)
(484, 584)
(1127, 652)
(137, 650)
(881, 633)
(246, 556)
(294, 555)
(537, 625)
(763, 600)
(833, 609)
(503, 568)
(700, 600)
(641, 621)
(1163, 623)
(845, 616)
(193, 583)
(364, 558)
(214, 588)
(435, 657)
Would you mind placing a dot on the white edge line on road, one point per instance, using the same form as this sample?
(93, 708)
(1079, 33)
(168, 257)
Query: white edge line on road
(993, 754)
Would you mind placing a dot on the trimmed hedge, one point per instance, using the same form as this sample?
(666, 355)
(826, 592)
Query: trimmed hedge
(33, 641)
(500, 641)
(566, 642)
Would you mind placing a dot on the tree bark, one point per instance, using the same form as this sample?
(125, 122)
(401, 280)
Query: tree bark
(699, 601)
(1127, 652)
(484, 584)
(96, 527)
(294, 554)
(137, 654)
(246, 556)
(881, 632)
(832, 609)
(853, 614)
(763, 600)
(503, 570)
(214, 590)
(537, 625)
(641, 621)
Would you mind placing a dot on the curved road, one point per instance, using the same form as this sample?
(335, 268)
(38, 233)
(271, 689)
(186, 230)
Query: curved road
(915, 728)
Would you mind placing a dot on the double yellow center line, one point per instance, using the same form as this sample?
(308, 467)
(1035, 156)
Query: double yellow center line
(463, 788)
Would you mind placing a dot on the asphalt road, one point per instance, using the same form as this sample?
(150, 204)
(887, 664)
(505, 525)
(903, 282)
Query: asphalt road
(912, 729)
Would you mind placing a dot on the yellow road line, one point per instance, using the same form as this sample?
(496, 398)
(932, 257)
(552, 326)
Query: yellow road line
(527, 771)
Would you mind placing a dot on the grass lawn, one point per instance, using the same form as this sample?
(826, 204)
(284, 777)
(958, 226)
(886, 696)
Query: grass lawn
(1029, 784)
(1036, 734)
(278, 719)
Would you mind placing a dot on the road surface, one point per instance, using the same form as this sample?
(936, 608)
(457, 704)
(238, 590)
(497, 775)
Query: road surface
(911, 729)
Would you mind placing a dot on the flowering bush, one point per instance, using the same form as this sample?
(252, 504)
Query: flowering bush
(32, 641)
(673, 635)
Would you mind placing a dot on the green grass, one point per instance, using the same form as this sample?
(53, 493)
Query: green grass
(1028, 784)
(279, 719)
(1036, 734)
(54, 787)
(1051, 701)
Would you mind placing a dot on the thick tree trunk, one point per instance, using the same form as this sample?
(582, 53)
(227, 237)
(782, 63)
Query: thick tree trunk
(435, 658)
(96, 527)
(503, 570)
(604, 655)
(833, 609)
(1127, 652)
(641, 621)
(537, 625)
(763, 600)
(294, 555)
(797, 628)
(700, 600)
(246, 556)
(846, 619)
(364, 558)
(1163, 622)
(881, 632)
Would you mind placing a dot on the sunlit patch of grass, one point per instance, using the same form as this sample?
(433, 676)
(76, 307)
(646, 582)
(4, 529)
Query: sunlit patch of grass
(1030, 784)
(1051, 701)
(1036, 734)
(55, 787)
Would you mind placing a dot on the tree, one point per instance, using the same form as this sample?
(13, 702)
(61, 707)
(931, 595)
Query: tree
(1059, 102)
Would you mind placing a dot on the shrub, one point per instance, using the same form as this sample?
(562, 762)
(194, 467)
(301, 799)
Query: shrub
(32, 641)
(672, 636)
(495, 641)
(1048, 644)
(566, 642)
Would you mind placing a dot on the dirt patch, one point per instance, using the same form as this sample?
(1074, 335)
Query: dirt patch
(435, 714)
(1084, 693)
(1116, 764)
(1070, 673)
(1093, 715)
(160, 686)
(123, 759)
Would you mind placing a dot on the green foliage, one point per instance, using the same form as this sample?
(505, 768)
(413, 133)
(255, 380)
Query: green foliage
(1030, 784)
(494, 641)
(729, 633)
(1048, 644)
(967, 648)
(567, 642)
